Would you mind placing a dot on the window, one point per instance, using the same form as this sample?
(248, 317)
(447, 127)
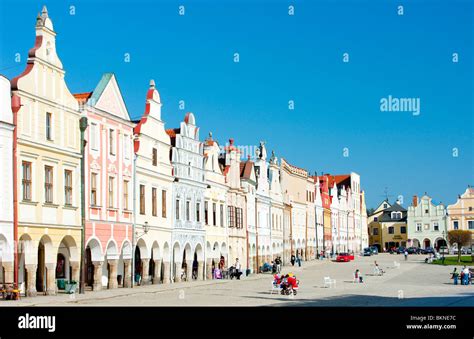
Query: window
(222, 214)
(436, 226)
(68, 187)
(239, 215)
(94, 189)
(470, 208)
(177, 209)
(456, 225)
(426, 211)
(214, 214)
(418, 227)
(206, 213)
(60, 266)
(375, 231)
(188, 208)
(125, 195)
(111, 192)
(470, 224)
(154, 207)
(49, 126)
(126, 146)
(26, 182)
(154, 157)
(376, 219)
(391, 230)
(403, 230)
(385, 205)
(231, 216)
(163, 203)
(112, 142)
(142, 199)
(198, 211)
(48, 184)
(93, 136)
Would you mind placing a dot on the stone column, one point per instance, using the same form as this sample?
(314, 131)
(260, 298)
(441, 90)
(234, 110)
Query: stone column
(157, 275)
(166, 272)
(209, 268)
(51, 287)
(31, 278)
(112, 273)
(177, 271)
(127, 272)
(97, 284)
(8, 277)
(145, 269)
(75, 271)
(189, 270)
(200, 272)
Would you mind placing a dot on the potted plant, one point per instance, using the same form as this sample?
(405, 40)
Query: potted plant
(71, 286)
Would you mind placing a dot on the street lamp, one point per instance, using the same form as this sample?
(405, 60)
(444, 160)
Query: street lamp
(146, 228)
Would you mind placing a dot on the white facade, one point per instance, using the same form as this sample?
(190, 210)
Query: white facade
(248, 182)
(277, 208)
(215, 208)
(319, 218)
(6, 189)
(153, 190)
(189, 188)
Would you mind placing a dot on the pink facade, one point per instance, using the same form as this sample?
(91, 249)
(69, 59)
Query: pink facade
(108, 183)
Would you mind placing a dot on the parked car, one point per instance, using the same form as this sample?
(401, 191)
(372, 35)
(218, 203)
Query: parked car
(344, 257)
(367, 252)
(374, 249)
(443, 250)
(428, 250)
(400, 250)
(413, 250)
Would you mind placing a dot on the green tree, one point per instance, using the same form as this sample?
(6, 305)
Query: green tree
(461, 238)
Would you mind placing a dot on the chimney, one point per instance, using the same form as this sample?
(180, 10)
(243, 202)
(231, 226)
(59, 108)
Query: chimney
(415, 201)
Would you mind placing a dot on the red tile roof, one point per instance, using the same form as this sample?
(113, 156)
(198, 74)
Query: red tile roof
(246, 168)
(172, 132)
(82, 97)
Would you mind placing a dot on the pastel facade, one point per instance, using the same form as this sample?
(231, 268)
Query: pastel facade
(153, 212)
(248, 180)
(310, 251)
(390, 222)
(427, 223)
(295, 190)
(7, 248)
(364, 222)
(219, 218)
(237, 212)
(329, 223)
(109, 185)
(375, 227)
(461, 213)
(188, 237)
(48, 166)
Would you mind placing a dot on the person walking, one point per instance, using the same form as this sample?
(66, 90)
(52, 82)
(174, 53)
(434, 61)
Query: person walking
(292, 260)
(465, 276)
(406, 255)
(455, 276)
(298, 258)
(238, 268)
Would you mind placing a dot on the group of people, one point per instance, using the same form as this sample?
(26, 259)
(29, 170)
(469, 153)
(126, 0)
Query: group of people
(296, 259)
(465, 276)
(234, 271)
(288, 283)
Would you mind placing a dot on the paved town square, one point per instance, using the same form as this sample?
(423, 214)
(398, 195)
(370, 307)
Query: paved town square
(414, 283)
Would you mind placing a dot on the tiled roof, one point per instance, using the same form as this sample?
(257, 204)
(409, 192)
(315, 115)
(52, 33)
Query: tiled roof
(172, 132)
(246, 169)
(82, 97)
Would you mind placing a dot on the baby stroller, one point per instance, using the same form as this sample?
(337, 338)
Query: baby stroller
(234, 273)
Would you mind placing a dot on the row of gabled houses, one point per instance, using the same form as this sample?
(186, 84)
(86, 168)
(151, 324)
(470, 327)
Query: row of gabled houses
(425, 223)
(134, 202)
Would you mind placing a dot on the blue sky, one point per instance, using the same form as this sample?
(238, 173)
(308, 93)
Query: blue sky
(284, 58)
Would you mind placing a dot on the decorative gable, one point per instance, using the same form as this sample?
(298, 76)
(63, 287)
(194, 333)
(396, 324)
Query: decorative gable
(107, 97)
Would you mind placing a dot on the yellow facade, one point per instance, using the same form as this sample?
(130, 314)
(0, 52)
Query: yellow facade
(48, 167)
